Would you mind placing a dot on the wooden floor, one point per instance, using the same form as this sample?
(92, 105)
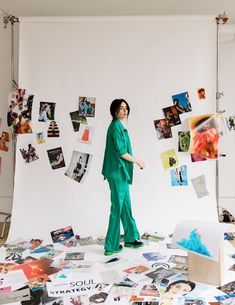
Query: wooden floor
(2, 240)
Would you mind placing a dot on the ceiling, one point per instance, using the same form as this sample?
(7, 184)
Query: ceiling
(118, 7)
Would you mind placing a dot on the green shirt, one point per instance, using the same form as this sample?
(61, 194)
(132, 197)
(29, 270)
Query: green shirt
(117, 144)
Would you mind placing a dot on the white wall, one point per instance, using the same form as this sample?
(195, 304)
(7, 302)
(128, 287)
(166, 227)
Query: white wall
(144, 60)
(227, 102)
(6, 174)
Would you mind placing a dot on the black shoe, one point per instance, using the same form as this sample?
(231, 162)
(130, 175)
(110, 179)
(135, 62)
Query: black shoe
(135, 244)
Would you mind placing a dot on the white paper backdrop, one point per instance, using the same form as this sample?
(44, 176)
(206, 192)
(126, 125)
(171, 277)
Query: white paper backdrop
(144, 60)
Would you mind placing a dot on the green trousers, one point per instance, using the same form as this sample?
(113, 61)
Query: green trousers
(120, 210)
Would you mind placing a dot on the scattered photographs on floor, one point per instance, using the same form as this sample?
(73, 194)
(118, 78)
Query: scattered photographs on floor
(62, 234)
(178, 259)
(78, 256)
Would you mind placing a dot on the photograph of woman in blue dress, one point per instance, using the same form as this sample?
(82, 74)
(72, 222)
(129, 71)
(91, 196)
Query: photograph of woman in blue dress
(194, 243)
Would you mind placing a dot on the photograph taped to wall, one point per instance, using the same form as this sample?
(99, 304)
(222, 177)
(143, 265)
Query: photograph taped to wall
(46, 111)
(181, 102)
(163, 131)
(20, 110)
(227, 123)
(77, 120)
(179, 176)
(53, 130)
(40, 137)
(169, 159)
(86, 106)
(29, 153)
(204, 135)
(199, 185)
(62, 234)
(200, 237)
(172, 116)
(85, 134)
(201, 94)
(79, 166)
(4, 140)
(56, 158)
(183, 141)
(196, 158)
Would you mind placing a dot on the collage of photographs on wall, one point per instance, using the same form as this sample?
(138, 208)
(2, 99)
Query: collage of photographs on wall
(200, 141)
(19, 119)
(61, 272)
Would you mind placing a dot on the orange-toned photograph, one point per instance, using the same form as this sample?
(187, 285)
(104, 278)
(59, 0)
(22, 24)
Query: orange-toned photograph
(204, 135)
